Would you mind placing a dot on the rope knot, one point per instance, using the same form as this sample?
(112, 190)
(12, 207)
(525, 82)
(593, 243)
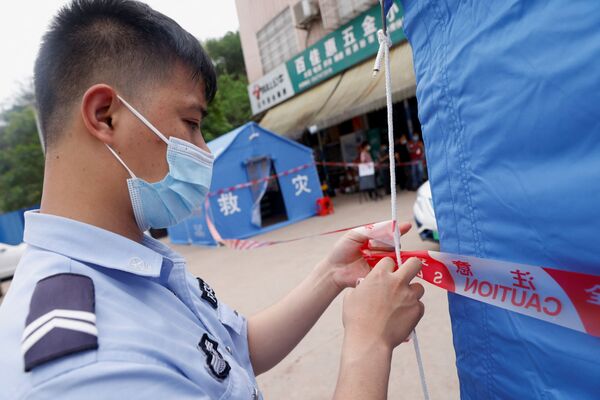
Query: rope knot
(384, 38)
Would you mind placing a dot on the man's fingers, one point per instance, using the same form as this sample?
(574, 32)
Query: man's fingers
(355, 236)
(361, 235)
(409, 269)
(387, 264)
(375, 244)
(417, 289)
(404, 227)
(379, 245)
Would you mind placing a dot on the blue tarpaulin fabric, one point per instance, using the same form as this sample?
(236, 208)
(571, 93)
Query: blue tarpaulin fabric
(387, 4)
(509, 101)
(12, 225)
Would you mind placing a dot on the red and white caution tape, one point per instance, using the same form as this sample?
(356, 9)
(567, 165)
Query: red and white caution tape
(299, 168)
(564, 298)
(261, 180)
(248, 244)
(377, 165)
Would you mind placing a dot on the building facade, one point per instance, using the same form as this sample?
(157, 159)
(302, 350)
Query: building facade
(309, 64)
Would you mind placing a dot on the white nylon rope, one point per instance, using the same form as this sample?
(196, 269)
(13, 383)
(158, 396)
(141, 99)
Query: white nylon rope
(384, 52)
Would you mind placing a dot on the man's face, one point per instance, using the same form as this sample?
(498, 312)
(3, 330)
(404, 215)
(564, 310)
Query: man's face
(176, 108)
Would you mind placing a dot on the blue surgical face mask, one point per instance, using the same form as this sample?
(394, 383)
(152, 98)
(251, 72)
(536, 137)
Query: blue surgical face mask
(183, 189)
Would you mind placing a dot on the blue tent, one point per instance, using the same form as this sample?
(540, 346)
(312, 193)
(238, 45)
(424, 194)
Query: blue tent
(248, 153)
(11, 227)
(509, 101)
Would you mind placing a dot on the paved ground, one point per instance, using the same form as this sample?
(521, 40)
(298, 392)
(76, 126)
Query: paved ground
(251, 280)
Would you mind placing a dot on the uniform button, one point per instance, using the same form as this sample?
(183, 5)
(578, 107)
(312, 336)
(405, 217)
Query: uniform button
(255, 394)
(137, 264)
(228, 349)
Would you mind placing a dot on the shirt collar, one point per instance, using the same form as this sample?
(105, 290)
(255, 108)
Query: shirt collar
(90, 244)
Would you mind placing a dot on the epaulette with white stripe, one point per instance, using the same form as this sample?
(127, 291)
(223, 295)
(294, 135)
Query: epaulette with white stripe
(61, 319)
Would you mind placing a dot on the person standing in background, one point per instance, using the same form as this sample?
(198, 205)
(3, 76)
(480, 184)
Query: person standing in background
(367, 182)
(402, 156)
(384, 168)
(365, 153)
(417, 156)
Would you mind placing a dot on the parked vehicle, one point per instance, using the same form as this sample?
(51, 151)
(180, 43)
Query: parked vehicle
(424, 214)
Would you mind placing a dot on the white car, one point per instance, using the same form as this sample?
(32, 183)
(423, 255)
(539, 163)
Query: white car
(9, 258)
(424, 215)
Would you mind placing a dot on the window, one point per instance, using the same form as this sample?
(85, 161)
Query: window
(277, 41)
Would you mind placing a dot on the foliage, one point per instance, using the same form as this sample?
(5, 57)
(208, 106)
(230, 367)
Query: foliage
(231, 106)
(21, 159)
(226, 53)
(229, 109)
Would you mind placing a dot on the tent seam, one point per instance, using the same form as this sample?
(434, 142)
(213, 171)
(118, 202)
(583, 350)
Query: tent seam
(457, 128)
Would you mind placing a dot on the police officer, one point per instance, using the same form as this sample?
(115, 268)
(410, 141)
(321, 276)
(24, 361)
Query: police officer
(99, 310)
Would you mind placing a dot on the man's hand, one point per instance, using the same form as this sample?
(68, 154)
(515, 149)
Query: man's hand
(345, 262)
(274, 332)
(378, 315)
(385, 307)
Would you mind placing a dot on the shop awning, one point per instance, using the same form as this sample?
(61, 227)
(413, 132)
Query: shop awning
(344, 96)
(292, 117)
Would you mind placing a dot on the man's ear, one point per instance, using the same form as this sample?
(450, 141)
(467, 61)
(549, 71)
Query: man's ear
(97, 106)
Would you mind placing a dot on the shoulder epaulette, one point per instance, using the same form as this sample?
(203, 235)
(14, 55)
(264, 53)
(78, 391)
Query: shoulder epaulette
(61, 319)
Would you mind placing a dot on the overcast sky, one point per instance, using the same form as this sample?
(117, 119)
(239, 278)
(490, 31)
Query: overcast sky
(23, 22)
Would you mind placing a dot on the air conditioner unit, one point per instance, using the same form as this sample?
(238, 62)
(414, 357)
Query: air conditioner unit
(329, 14)
(335, 13)
(305, 11)
(348, 9)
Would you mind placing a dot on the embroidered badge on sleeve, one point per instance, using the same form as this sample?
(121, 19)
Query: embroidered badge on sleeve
(61, 319)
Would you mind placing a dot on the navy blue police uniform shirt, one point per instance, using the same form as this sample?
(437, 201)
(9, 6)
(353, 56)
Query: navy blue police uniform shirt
(93, 315)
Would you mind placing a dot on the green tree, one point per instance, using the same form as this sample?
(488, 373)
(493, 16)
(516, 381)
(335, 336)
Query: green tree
(231, 106)
(227, 55)
(21, 159)
(215, 124)
(236, 105)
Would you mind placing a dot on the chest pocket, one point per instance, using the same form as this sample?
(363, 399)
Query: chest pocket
(224, 342)
(231, 319)
(227, 316)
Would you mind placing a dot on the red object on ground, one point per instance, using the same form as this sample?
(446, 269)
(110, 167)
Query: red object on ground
(324, 206)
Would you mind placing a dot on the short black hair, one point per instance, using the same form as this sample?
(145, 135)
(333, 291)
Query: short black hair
(119, 42)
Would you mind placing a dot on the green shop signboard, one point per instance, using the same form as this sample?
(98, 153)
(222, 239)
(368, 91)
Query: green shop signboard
(352, 43)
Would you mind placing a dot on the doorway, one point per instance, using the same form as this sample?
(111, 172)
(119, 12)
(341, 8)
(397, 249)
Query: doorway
(268, 204)
(272, 205)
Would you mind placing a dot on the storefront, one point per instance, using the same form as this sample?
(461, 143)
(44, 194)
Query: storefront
(327, 98)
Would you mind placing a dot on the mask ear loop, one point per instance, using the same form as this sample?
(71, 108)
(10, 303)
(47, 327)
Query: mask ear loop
(121, 161)
(144, 120)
